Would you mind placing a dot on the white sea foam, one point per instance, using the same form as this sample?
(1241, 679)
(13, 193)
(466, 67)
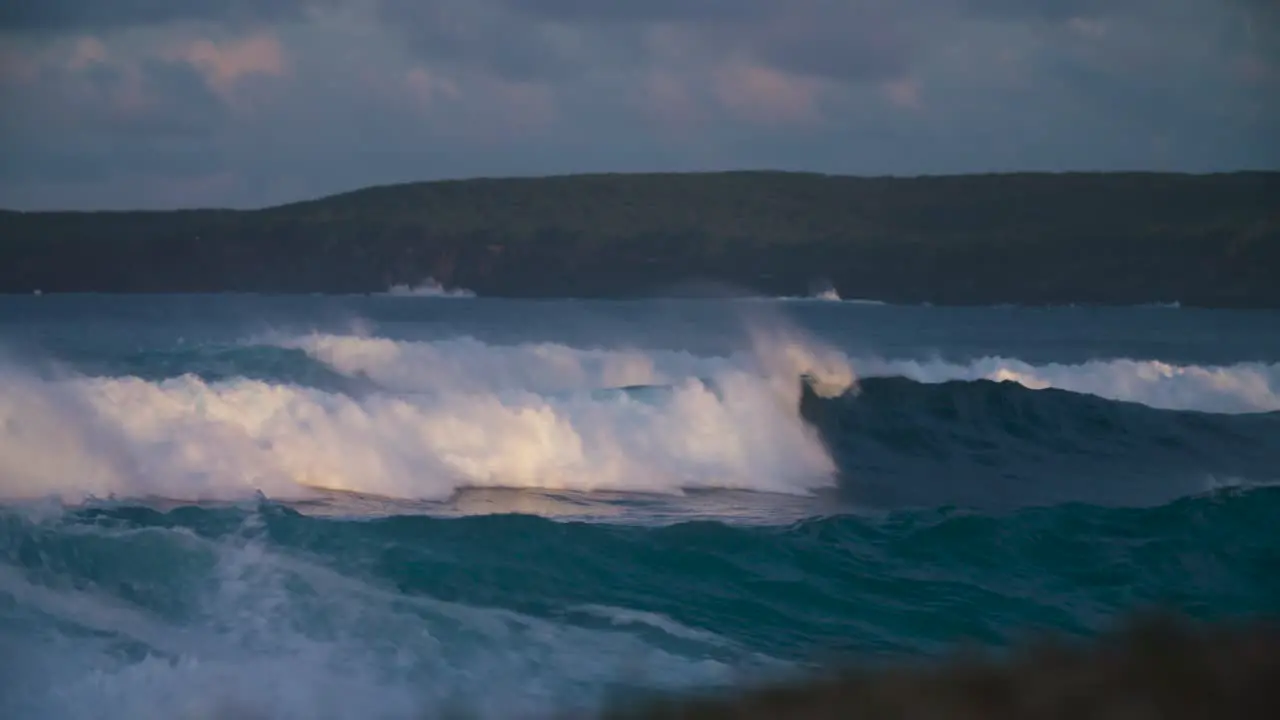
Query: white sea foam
(428, 288)
(459, 413)
(830, 296)
(451, 416)
(619, 616)
(467, 365)
(278, 636)
(548, 368)
(1237, 388)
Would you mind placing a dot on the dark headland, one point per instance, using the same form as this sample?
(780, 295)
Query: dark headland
(1037, 238)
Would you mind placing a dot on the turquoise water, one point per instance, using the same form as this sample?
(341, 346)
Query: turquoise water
(388, 507)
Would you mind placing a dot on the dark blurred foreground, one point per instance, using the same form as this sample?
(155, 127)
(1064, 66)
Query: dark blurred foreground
(1153, 668)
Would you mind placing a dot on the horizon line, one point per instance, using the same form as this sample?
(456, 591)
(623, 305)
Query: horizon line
(647, 173)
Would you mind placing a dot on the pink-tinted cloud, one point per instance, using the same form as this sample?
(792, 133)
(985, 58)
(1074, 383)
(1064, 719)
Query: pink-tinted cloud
(1087, 27)
(903, 93)
(428, 88)
(88, 74)
(475, 107)
(521, 107)
(1255, 70)
(224, 65)
(16, 67)
(667, 99)
(130, 97)
(416, 89)
(767, 96)
(87, 52)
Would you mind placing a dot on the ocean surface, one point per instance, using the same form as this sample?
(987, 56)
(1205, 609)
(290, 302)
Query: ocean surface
(399, 506)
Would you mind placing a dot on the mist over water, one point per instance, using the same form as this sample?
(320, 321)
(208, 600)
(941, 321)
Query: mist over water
(394, 506)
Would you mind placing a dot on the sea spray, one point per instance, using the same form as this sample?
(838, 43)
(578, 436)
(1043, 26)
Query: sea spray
(121, 610)
(253, 507)
(443, 417)
(1235, 388)
(429, 288)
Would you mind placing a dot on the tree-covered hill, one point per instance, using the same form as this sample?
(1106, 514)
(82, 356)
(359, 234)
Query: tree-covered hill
(1013, 238)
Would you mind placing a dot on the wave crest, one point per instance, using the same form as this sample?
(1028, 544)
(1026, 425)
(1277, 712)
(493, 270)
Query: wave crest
(446, 416)
(1238, 388)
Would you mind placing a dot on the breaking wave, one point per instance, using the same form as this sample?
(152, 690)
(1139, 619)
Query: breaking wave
(549, 367)
(449, 416)
(428, 288)
(421, 420)
(1236, 388)
(203, 516)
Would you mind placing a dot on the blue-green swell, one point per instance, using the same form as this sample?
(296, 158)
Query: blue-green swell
(898, 582)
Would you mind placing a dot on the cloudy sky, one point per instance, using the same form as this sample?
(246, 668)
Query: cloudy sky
(244, 103)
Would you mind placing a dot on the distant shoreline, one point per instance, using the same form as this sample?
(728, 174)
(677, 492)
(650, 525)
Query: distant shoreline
(464, 294)
(1030, 239)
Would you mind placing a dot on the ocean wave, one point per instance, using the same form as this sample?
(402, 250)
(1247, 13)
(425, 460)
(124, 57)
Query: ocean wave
(1236, 388)
(259, 611)
(987, 443)
(207, 613)
(549, 367)
(465, 364)
(489, 420)
(422, 419)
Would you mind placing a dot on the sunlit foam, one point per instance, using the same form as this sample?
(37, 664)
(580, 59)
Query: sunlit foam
(450, 416)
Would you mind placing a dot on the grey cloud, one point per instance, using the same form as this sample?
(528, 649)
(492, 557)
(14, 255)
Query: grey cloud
(478, 34)
(157, 99)
(56, 15)
(1266, 12)
(650, 11)
(1162, 84)
(1042, 9)
(843, 40)
(186, 106)
(714, 11)
(105, 127)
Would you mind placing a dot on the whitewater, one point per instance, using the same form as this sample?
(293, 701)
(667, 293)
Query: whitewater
(399, 505)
